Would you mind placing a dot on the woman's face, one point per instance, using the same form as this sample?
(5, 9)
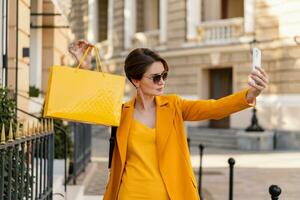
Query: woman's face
(147, 85)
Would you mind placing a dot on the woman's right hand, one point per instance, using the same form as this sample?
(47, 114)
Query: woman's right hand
(77, 49)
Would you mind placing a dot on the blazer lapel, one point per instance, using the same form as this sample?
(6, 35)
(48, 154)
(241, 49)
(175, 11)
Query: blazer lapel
(164, 122)
(123, 129)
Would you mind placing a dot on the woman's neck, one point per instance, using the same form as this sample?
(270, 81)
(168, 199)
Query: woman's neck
(144, 102)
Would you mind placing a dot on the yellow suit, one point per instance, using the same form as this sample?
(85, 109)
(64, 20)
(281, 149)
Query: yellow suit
(173, 154)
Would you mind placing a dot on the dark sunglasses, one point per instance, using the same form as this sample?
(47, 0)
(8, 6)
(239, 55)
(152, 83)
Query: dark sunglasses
(157, 77)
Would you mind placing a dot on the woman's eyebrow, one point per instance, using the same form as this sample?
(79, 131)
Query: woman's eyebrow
(157, 73)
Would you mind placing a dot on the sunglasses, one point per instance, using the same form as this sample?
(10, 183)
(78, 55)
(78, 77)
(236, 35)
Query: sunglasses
(157, 77)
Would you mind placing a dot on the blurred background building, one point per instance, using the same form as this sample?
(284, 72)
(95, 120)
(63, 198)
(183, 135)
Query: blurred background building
(207, 44)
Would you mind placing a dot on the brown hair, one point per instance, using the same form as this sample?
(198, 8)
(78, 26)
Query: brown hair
(139, 60)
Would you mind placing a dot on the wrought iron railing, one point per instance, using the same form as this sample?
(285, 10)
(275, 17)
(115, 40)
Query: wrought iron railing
(26, 161)
(82, 149)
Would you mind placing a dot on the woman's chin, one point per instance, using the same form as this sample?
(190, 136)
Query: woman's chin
(159, 92)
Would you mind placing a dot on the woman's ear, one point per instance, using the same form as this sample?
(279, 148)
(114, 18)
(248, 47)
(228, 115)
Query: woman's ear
(136, 83)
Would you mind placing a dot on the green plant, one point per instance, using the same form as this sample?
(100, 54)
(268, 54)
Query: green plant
(8, 114)
(34, 91)
(8, 108)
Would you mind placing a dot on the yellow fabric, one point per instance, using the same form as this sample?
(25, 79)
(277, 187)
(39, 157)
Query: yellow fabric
(141, 179)
(84, 95)
(171, 144)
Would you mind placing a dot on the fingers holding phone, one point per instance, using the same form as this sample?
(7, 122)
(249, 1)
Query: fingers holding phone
(258, 78)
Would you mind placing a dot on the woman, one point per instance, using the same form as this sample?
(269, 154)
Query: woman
(151, 159)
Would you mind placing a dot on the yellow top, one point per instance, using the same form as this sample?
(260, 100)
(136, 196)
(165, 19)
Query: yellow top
(141, 178)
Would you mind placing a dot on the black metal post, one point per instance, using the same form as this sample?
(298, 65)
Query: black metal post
(52, 161)
(2, 164)
(22, 169)
(189, 142)
(41, 165)
(75, 153)
(45, 164)
(66, 154)
(231, 162)
(254, 123)
(49, 163)
(27, 169)
(9, 172)
(274, 191)
(201, 148)
(36, 156)
(32, 165)
(16, 171)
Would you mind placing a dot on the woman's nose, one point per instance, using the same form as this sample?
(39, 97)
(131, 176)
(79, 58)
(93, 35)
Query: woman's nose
(161, 82)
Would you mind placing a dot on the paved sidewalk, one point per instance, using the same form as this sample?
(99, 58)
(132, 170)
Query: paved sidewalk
(254, 171)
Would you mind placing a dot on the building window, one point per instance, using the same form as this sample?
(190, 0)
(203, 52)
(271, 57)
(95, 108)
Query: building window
(147, 15)
(102, 20)
(221, 9)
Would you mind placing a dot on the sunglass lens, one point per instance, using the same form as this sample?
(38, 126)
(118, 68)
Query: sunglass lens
(156, 78)
(165, 76)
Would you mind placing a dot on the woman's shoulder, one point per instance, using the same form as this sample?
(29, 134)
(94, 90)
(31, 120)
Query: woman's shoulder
(169, 97)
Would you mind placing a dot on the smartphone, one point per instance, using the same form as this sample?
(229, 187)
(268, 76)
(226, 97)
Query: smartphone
(256, 58)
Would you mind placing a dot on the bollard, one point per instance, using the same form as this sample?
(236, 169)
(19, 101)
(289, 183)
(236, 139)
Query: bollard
(201, 148)
(188, 141)
(274, 191)
(231, 162)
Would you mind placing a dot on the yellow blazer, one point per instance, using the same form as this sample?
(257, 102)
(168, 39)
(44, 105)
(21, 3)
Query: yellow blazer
(173, 153)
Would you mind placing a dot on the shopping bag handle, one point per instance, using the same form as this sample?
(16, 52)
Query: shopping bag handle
(97, 55)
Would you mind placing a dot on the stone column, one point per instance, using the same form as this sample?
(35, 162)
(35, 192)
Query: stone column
(129, 22)
(35, 69)
(93, 21)
(193, 17)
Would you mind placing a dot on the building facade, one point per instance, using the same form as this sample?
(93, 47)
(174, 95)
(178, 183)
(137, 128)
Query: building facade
(207, 44)
(34, 35)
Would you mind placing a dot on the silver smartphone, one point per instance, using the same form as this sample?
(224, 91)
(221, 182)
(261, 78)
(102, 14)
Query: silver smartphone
(256, 58)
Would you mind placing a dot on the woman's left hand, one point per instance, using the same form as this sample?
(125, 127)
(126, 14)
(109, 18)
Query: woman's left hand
(258, 80)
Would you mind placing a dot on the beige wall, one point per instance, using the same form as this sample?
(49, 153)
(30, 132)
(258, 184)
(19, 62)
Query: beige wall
(55, 43)
(211, 10)
(79, 18)
(23, 63)
(118, 26)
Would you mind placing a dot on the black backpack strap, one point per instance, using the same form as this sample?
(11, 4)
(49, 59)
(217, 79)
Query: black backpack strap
(112, 141)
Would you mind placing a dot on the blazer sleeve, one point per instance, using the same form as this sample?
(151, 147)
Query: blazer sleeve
(194, 110)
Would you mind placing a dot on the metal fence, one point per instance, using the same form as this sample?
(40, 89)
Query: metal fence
(82, 138)
(26, 162)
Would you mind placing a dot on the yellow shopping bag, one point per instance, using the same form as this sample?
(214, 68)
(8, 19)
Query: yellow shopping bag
(83, 95)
